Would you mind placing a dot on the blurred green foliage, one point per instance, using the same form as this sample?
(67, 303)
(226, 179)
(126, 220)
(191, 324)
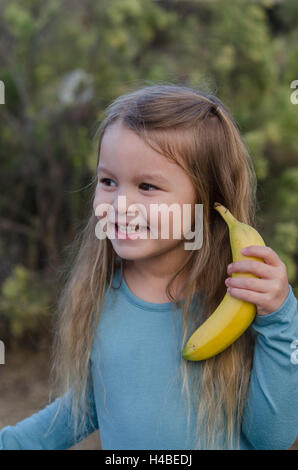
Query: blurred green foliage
(63, 62)
(24, 300)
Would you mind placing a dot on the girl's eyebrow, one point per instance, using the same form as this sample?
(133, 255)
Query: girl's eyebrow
(102, 168)
(153, 175)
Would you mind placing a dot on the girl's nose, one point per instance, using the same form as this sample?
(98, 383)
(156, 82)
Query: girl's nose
(120, 202)
(126, 207)
(124, 204)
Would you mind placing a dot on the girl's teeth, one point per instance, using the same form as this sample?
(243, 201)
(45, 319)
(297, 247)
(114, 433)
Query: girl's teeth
(128, 229)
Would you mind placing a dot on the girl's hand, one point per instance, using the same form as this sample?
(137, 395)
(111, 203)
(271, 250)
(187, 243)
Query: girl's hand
(270, 291)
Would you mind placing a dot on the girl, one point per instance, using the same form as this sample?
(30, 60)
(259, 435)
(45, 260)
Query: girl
(130, 302)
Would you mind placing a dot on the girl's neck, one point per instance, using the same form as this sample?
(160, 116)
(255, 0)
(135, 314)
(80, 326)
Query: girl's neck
(148, 278)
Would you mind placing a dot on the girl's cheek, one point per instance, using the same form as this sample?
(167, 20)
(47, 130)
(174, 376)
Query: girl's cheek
(95, 204)
(101, 197)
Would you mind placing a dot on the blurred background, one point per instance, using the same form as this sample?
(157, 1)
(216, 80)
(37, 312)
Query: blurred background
(62, 62)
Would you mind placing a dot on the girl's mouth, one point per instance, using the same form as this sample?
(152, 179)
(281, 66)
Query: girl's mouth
(125, 232)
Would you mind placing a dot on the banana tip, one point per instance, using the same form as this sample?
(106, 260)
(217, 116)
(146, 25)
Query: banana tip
(217, 204)
(185, 354)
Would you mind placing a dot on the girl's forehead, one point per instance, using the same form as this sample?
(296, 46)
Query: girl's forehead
(134, 154)
(123, 151)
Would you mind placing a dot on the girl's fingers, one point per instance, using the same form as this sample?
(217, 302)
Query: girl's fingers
(265, 252)
(257, 268)
(258, 285)
(257, 298)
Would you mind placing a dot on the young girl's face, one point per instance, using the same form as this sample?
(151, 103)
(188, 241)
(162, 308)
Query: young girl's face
(129, 167)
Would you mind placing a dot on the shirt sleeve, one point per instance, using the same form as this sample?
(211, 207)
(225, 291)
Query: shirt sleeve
(270, 419)
(47, 430)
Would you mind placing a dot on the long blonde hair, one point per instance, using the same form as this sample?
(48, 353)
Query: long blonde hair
(195, 130)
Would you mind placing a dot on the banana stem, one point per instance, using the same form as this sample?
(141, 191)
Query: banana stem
(225, 213)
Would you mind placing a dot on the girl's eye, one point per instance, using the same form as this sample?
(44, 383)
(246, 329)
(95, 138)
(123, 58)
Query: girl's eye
(103, 180)
(147, 184)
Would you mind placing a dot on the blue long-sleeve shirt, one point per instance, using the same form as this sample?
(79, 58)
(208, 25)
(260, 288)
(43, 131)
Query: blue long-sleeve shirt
(134, 392)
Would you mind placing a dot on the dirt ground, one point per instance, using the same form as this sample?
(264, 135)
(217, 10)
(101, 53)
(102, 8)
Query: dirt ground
(24, 390)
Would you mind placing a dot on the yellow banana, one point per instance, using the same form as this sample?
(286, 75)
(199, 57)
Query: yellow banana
(232, 316)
